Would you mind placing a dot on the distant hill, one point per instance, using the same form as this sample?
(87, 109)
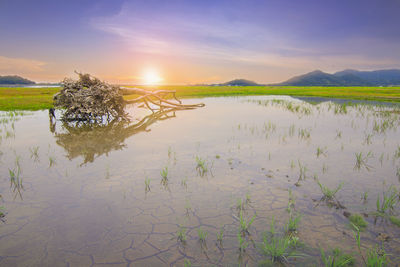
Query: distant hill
(14, 80)
(376, 77)
(240, 82)
(346, 78)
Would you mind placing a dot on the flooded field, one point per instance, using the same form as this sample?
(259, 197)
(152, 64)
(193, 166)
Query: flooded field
(242, 181)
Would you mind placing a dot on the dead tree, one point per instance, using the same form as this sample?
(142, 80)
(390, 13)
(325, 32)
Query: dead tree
(91, 100)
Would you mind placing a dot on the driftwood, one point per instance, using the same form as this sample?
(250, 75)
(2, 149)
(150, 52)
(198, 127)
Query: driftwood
(158, 100)
(91, 100)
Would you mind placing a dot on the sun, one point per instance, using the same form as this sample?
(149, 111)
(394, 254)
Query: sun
(151, 77)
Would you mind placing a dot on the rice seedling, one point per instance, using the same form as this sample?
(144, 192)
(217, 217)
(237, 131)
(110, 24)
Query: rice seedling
(242, 242)
(202, 235)
(164, 173)
(364, 196)
(184, 182)
(362, 161)
(201, 166)
(17, 162)
(220, 235)
(52, 161)
(358, 220)
(2, 212)
(292, 201)
(375, 256)
(368, 139)
(278, 248)
(188, 207)
(187, 263)
(338, 134)
(329, 194)
(244, 226)
(292, 129)
(304, 133)
(292, 165)
(397, 153)
(337, 259)
(248, 198)
(303, 170)
(240, 204)
(321, 151)
(181, 234)
(16, 181)
(324, 168)
(340, 109)
(389, 200)
(293, 223)
(169, 152)
(395, 220)
(107, 176)
(398, 172)
(34, 153)
(147, 184)
(381, 157)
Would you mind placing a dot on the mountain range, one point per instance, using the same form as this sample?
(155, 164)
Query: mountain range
(346, 78)
(14, 79)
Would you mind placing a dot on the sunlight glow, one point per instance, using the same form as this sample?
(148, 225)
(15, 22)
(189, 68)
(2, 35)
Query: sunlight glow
(151, 77)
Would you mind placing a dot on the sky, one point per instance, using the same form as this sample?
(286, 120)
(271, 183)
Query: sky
(196, 41)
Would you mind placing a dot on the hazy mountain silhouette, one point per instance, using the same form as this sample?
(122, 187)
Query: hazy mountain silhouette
(240, 82)
(14, 79)
(346, 78)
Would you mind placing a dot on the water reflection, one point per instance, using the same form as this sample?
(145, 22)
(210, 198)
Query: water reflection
(93, 140)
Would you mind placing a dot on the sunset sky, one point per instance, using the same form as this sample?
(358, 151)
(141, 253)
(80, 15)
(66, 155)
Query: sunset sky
(196, 41)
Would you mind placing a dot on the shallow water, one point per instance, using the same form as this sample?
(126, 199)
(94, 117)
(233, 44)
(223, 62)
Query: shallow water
(79, 198)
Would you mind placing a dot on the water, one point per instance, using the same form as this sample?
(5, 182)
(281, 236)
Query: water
(80, 197)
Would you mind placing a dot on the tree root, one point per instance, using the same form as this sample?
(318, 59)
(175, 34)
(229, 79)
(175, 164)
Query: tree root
(157, 100)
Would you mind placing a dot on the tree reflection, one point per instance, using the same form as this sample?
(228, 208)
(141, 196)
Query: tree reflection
(93, 140)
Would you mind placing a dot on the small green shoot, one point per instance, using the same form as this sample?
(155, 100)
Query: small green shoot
(329, 194)
(337, 259)
(202, 235)
(358, 220)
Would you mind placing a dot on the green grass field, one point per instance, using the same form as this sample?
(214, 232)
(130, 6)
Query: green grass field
(41, 98)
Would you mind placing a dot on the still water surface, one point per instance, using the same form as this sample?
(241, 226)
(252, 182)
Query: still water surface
(77, 196)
